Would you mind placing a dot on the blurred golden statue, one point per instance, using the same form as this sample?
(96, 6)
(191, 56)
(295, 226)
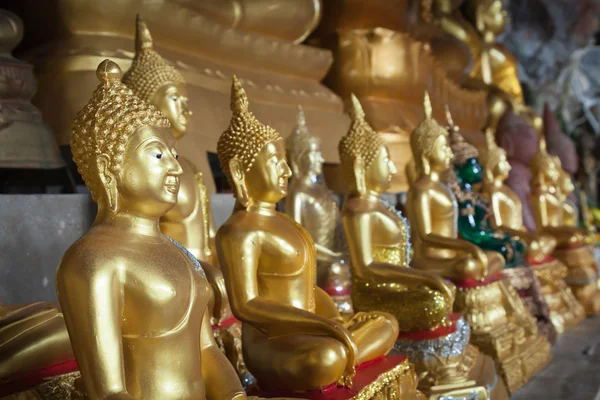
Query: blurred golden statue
(502, 327)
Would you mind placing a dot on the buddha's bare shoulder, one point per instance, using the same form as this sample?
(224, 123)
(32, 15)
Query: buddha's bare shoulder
(239, 225)
(92, 254)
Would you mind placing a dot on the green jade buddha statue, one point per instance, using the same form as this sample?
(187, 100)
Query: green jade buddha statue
(474, 220)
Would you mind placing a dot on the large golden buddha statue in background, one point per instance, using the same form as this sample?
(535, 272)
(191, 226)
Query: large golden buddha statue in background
(378, 238)
(293, 335)
(311, 204)
(573, 249)
(502, 327)
(134, 300)
(507, 215)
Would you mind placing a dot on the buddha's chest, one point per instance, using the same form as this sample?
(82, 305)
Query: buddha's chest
(161, 291)
(386, 227)
(286, 249)
(443, 206)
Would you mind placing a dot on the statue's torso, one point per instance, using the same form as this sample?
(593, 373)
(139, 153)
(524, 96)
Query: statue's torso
(319, 212)
(443, 217)
(163, 302)
(286, 271)
(186, 222)
(507, 207)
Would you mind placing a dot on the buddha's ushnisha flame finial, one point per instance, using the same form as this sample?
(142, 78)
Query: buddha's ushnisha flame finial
(149, 71)
(427, 106)
(105, 124)
(493, 154)
(361, 141)
(245, 137)
(299, 141)
(239, 100)
(451, 125)
(143, 38)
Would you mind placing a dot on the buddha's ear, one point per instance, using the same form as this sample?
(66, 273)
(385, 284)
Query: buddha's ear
(359, 175)
(426, 168)
(109, 182)
(239, 181)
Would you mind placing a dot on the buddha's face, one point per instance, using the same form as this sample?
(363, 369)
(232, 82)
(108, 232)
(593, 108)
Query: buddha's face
(441, 154)
(495, 17)
(267, 179)
(550, 172)
(172, 101)
(148, 182)
(502, 168)
(312, 160)
(378, 177)
(470, 172)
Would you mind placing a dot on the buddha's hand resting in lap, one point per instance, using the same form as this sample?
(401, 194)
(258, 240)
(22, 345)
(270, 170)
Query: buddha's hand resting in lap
(343, 335)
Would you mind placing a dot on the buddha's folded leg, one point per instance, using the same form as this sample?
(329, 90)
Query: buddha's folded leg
(35, 346)
(495, 262)
(374, 334)
(293, 362)
(415, 310)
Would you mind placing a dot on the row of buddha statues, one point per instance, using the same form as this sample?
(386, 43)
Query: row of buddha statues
(455, 300)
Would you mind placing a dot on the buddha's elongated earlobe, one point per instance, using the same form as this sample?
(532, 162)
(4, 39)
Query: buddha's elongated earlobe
(109, 182)
(359, 174)
(239, 181)
(425, 167)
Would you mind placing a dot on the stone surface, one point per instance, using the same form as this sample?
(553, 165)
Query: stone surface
(35, 231)
(573, 372)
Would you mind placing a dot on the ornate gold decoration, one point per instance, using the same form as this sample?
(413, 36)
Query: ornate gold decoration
(148, 70)
(245, 137)
(121, 113)
(361, 141)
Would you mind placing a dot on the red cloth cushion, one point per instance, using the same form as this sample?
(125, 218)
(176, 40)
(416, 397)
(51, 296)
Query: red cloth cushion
(26, 381)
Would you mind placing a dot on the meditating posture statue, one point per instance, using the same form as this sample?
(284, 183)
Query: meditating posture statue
(190, 221)
(502, 327)
(293, 336)
(507, 215)
(474, 222)
(378, 238)
(134, 300)
(573, 247)
(312, 205)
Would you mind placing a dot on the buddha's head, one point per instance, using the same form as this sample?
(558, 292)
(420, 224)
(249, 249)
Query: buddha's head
(543, 167)
(430, 145)
(252, 155)
(364, 158)
(124, 150)
(304, 150)
(155, 81)
(495, 164)
(487, 15)
(466, 156)
(446, 6)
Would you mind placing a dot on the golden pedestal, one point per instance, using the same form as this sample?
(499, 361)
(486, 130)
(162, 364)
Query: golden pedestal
(503, 329)
(582, 276)
(565, 310)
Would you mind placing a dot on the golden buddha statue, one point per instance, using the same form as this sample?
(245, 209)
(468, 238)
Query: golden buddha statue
(573, 243)
(502, 327)
(190, 221)
(378, 238)
(134, 300)
(312, 205)
(564, 189)
(507, 215)
(293, 337)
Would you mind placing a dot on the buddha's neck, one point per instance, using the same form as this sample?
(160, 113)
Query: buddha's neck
(261, 207)
(128, 222)
(496, 183)
(434, 176)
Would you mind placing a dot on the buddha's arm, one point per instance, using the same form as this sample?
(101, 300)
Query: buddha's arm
(323, 253)
(426, 234)
(359, 234)
(220, 307)
(221, 380)
(239, 256)
(91, 300)
(540, 209)
(325, 307)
